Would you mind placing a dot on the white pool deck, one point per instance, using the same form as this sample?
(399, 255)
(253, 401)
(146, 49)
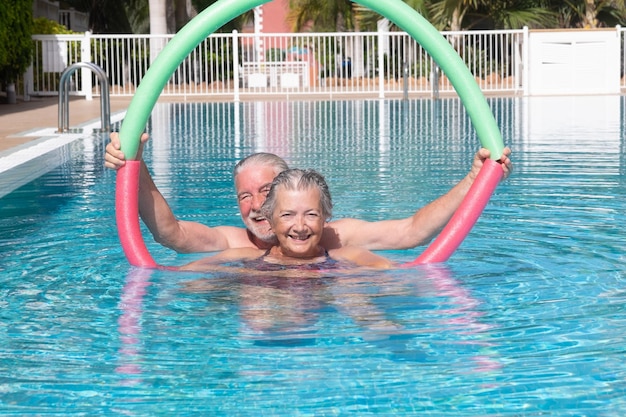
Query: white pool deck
(28, 132)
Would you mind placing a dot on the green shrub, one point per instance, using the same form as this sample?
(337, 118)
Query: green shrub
(16, 46)
(43, 26)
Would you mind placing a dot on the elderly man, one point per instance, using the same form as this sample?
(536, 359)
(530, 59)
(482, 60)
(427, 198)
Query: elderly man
(253, 176)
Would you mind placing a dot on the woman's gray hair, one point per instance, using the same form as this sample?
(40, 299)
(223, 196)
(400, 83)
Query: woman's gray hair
(299, 179)
(261, 158)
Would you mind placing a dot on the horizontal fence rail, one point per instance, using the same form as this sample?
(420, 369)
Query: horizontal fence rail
(245, 65)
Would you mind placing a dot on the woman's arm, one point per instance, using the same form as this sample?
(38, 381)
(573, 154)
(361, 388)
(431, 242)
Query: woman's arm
(361, 257)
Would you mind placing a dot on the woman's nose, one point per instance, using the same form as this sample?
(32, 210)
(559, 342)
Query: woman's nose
(299, 223)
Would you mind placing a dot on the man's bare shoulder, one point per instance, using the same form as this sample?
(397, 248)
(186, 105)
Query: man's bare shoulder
(237, 237)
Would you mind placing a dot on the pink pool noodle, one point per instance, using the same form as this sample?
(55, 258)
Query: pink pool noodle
(127, 216)
(465, 216)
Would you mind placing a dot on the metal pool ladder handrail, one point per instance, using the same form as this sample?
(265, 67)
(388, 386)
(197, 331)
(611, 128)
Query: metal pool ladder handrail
(64, 104)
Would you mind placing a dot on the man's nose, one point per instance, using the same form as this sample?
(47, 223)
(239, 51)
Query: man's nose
(257, 201)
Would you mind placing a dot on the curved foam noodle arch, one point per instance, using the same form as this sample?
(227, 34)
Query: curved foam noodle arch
(224, 11)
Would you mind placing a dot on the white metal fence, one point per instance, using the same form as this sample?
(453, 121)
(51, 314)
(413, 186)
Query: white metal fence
(236, 65)
(325, 64)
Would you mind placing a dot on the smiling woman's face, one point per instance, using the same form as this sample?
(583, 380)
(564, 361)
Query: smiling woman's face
(298, 222)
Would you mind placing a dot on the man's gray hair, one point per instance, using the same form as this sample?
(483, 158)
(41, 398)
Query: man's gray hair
(299, 179)
(261, 158)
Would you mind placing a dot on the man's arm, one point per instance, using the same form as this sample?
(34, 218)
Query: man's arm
(181, 236)
(419, 229)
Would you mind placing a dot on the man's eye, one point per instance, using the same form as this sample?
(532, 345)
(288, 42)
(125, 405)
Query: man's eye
(265, 191)
(244, 196)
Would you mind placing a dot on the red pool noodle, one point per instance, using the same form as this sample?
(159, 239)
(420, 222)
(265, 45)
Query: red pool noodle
(465, 216)
(127, 216)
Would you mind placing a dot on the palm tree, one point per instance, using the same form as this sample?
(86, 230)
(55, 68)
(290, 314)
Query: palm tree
(594, 13)
(178, 13)
(449, 14)
(105, 16)
(515, 14)
(236, 23)
(367, 19)
(457, 15)
(322, 15)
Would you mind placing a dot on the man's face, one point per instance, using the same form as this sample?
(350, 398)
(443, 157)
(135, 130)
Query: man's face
(298, 222)
(252, 185)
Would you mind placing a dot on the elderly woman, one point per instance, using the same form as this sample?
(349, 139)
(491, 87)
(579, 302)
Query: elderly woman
(297, 207)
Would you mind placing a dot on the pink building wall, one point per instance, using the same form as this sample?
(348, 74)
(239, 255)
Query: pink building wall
(275, 16)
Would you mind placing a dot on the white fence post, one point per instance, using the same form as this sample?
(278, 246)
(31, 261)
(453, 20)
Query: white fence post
(85, 73)
(235, 65)
(620, 38)
(526, 63)
(382, 43)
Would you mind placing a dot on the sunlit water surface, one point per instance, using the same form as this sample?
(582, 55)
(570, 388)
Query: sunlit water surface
(528, 317)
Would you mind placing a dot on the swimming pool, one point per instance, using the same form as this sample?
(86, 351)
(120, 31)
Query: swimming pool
(527, 318)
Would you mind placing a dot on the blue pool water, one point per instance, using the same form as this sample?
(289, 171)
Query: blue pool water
(528, 317)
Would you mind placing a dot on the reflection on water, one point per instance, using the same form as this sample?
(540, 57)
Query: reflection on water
(374, 311)
(131, 307)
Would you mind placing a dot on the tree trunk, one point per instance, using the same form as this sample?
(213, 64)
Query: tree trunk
(455, 26)
(11, 96)
(591, 20)
(158, 26)
(181, 13)
(455, 23)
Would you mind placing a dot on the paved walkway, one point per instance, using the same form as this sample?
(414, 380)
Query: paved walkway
(16, 120)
